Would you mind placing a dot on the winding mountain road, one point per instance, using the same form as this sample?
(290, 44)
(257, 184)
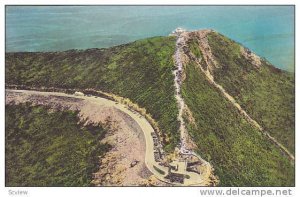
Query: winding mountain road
(99, 102)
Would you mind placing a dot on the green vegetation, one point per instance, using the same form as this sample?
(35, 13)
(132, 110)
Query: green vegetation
(158, 170)
(194, 47)
(140, 71)
(44, 148)
(240, 154)
(266, 93)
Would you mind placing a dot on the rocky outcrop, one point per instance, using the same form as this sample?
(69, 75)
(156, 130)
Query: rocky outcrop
(250, 56)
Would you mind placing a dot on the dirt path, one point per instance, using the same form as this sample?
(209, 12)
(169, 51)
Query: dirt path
(178, 78)
(186, 143)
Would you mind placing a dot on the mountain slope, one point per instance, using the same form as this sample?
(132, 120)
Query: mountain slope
(225, 135)
(241, 155)
(265, 92)
(140, 71)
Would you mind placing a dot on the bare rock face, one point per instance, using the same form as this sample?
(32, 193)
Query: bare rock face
(253, 58)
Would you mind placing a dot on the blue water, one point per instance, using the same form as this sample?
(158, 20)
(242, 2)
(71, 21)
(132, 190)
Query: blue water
(267, 30)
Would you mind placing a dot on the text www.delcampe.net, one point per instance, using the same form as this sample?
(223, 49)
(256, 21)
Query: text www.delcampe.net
(246, 192)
